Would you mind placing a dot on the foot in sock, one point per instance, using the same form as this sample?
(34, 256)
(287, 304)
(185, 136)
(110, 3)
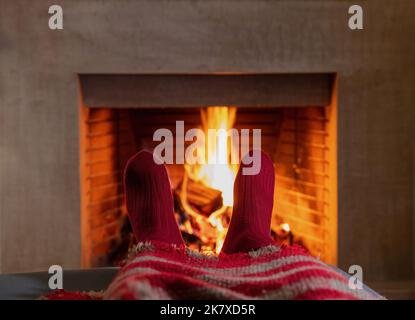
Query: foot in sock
(250, 226)
(150, 201)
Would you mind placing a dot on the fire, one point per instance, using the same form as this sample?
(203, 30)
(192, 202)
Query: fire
(215, 220)
(285, 227)
(219, 175)
(217, 172)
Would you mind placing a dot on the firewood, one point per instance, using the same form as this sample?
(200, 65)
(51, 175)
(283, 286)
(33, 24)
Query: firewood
(205, 199)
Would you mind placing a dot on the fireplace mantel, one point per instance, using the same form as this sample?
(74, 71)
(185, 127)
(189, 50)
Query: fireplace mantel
(190, 90)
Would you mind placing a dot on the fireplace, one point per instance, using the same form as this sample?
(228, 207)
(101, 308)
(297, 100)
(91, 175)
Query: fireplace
(297, 117)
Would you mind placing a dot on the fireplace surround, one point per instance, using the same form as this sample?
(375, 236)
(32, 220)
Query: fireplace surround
(295, 112)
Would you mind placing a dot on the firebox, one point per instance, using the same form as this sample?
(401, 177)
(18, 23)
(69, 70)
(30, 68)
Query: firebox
(296, 114)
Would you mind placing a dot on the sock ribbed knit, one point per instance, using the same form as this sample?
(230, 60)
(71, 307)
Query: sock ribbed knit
(150, 200)
(250, 226)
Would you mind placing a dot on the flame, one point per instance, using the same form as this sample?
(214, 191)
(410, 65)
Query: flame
(285, 227)
(217, 172)
(215, 220)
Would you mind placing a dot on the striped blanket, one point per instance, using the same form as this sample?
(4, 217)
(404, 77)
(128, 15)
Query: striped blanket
(159, 271)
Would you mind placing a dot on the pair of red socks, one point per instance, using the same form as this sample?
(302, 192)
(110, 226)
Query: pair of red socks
(151, 212)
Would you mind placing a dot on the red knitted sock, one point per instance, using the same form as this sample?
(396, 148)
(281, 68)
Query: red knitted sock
(250, 226)
(149, 200)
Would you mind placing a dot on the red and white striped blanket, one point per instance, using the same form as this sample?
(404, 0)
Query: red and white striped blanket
(159, 271)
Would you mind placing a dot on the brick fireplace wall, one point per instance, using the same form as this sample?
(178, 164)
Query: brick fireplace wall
(300, 140)
(39, 107)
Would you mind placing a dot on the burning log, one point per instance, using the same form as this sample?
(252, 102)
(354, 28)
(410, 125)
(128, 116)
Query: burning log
(203, 198)
(201, 214)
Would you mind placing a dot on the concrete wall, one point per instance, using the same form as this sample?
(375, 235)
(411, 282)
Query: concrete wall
(39, 98)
